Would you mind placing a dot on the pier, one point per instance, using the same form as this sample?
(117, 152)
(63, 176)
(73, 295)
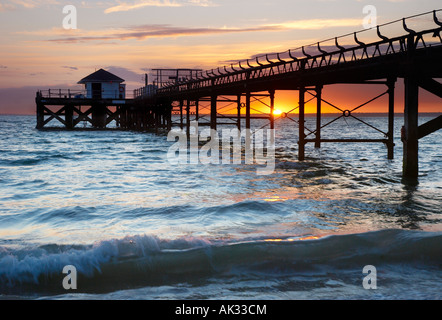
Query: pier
(414, 57)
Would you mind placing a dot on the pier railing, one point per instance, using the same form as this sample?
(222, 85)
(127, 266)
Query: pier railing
(83, 94)
(317, 55)
(145, 92)
(63, 93)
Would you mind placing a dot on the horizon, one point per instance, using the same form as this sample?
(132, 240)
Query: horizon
(328, 114)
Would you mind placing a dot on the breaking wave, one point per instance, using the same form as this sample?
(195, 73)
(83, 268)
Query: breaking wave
(136, 261)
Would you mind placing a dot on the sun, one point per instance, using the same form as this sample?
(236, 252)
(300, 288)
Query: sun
(277, 112)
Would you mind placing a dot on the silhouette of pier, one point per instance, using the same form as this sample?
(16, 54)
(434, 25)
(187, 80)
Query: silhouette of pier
(414, 56)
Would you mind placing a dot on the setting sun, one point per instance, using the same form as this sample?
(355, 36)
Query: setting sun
(277, 112)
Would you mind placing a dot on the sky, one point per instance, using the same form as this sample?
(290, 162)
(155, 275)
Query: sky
(131, 37)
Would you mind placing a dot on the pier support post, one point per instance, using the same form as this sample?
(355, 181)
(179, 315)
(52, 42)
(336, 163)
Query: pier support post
(410, 130)
(272, 107)
(121, 117)
(158, 119)
(188, 119)
(163, 116)
(213, 111)
(126, 117)
(238, 112)
(248, 149)
(248, 110)
(117, 118)
(301, 142)
(151, 117)
(197, 111)
(138, 119)
(146, 117)
(99, 115)
(181, 114)
(390, 143)
(169, 116)
(318, 116)
(40, 115)
(69, 116)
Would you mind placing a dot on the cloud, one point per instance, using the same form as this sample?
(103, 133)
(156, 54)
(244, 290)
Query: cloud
(27, 4)
(143, 32)
(6, 7)
(68, 67)
(127, 6)
(316, 24)
(126, 74)
(163, 30)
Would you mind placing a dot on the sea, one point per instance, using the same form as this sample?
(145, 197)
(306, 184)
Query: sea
(106, 215)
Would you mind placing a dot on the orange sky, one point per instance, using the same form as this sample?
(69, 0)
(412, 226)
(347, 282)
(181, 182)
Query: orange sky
(131, 37)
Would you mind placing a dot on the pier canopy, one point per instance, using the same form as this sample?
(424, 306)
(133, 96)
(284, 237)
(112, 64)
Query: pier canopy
(104, 85)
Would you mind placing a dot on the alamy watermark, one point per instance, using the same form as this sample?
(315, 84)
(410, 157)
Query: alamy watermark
(371, 17)
(370, 281)
(227, 146)
(70, 281)
(70, 20)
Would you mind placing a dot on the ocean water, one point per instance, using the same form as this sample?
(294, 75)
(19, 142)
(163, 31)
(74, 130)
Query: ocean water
(136, 226)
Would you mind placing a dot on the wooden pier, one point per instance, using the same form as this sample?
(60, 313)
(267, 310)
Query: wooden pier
(226, 93)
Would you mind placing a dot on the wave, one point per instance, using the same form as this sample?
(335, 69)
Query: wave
(32, 161)
(146, 260)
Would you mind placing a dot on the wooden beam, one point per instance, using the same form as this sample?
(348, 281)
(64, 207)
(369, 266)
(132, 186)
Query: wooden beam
(217, 100)
(432, 86)
(429, 127)
(265, 117)
(54, 115)
(112, 115)
(347, 140)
